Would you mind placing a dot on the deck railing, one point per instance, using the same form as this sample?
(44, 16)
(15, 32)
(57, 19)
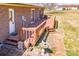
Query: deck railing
(33, 31)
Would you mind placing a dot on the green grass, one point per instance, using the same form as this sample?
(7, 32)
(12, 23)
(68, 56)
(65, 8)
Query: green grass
(70, 39)
(71, 33)
(53, 50)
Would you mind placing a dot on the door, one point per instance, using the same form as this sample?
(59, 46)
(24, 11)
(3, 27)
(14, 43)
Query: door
(11, 21)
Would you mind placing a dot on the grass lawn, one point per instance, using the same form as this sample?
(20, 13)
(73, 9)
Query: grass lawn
(71, 37)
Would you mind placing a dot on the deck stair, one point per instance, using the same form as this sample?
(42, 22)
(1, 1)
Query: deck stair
(51, 30)
(12, 40)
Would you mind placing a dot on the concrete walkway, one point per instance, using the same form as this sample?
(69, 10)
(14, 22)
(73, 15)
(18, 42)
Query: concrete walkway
(8, 50)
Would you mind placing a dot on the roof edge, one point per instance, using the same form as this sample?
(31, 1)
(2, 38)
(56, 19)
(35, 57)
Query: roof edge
(21, 5)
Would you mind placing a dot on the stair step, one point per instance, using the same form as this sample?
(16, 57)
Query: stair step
(14, 38)
(11, 39)
(51, 30)
(10, 43)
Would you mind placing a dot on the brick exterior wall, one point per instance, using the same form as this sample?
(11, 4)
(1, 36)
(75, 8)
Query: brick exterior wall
(18, 13)
(3, 23)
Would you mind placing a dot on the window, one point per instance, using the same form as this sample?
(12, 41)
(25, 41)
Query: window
(23, 18)
(32, 13)
(23, 21)
(10, 15)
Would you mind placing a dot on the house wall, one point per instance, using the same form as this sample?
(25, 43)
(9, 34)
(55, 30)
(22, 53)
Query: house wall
(4, 19)
(19, 12)
(3, 23)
